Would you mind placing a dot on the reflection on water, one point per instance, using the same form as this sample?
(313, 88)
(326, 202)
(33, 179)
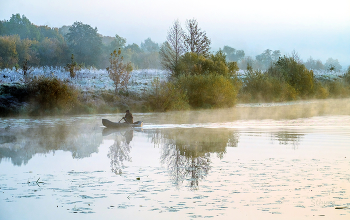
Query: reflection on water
(120, 150)
(244, 166)
(22, 144)
(187, 152)
(288, 138)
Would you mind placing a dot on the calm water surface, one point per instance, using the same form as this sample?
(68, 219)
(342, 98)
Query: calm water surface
(264, 161)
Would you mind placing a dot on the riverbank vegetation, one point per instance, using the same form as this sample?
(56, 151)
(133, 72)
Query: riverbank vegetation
(197, 78)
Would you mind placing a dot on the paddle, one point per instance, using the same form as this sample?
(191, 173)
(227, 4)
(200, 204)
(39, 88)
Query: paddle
(125, 121)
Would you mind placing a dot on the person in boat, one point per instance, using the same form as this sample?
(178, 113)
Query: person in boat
(128, 117)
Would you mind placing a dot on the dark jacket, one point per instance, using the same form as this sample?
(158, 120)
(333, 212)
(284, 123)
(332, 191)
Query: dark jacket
(128, 118)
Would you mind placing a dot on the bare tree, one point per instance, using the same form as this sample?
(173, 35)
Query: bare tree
(173, 48)
(196, 40)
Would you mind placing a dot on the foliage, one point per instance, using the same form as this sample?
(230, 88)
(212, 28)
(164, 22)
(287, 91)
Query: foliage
(288, 70)
(332, 64)
(21, 26)
(8, 52)
(232, 54)
(267, 58)
(118, 42)
(52, 52)
(73, 67)
(193, 64)
(118, 71)
(312, 64)
(85, 42)
(149, 46)
(52, 93)
(347, 76)
(259, 86)
(208, 91)
(167, 96)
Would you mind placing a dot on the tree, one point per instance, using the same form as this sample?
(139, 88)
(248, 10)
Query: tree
(52, 52)
(333, 64)
(22, 27)
(72, 67)
(118, 71)
(310, 63)
(118, 42)
(275, 55)
(265, 58)
(232, 54)
(149, 46)
(173, 48)
(8, 52)
(196, 41)
(85, 42)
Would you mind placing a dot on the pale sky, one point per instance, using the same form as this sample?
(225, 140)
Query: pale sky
(316, 28)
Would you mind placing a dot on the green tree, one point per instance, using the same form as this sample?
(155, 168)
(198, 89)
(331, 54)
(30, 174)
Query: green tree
(193, 64)
(265, 58)
(8, 52)
(22, 27)
(232, 54)
(118, 42)
(2, 28)
(149, 46)
(85, 42)
(289, 70)
(52, 52)
(333, 64)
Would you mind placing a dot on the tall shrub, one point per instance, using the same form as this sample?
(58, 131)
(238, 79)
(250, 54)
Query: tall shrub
(208, 91)
(287, 69)
(118, 71)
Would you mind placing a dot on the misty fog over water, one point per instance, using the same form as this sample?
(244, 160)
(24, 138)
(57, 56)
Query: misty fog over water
(272, 161)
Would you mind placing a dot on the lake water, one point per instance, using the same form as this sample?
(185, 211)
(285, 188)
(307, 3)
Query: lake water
(254, 161)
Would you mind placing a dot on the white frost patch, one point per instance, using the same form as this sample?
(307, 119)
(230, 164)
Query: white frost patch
(87, 79)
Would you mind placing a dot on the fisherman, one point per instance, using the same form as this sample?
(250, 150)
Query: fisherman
(128, 117)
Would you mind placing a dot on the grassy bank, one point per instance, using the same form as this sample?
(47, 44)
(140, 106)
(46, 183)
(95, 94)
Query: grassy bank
(51, 95)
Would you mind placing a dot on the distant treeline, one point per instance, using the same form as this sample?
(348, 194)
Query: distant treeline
(21, 40)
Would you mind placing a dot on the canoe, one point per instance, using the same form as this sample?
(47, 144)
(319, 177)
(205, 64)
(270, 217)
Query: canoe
(110, 124)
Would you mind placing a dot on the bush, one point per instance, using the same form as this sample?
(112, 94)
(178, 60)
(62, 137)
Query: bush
(347, 76)
(52, 93)
(208, 91)
(259, 86)
(320, 91)
(338, 89)
(288, 70)
(194, 64)
(166, 96)
(118, 71)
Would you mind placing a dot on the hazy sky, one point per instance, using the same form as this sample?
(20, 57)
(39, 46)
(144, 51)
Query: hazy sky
(316, 28)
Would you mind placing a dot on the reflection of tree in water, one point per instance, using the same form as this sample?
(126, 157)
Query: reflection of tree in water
(186, 152)
(288, 138)
(81, 139)
(120, 150)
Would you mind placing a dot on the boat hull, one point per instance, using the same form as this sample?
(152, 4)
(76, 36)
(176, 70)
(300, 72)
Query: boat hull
(110, 124)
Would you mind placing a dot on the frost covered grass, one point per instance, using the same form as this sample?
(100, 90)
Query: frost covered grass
(96, 79)
(86, 79)
(93, 89)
